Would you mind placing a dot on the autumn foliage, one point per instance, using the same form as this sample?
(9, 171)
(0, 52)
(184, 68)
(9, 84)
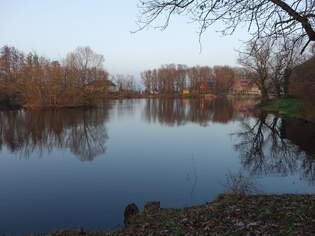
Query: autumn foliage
(34, 81)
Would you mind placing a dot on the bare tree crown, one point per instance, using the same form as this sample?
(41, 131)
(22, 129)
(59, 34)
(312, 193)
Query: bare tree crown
(264, 18)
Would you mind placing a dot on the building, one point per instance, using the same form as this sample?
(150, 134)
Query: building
(206, 87)
(112, 87)
(245, 86)
(154, 92)
(186, 92)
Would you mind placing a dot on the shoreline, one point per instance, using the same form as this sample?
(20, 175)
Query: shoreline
(290, 108)
(120, 97)
(229, 214)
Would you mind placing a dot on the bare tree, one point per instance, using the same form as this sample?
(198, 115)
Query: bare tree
(147, 79)
(199, 74)
(285, 56)
(224, 79)
(270, 65)
(11, 61)
(264, 18)
(172, 78)
(166, 79)
(126, 83)
(256, 60)
(83, 60)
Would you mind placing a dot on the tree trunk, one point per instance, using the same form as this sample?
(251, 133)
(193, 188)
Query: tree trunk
(286, 81)
(264, 95)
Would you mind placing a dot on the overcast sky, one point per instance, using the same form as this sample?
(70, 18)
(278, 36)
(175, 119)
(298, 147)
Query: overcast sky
(53, 28)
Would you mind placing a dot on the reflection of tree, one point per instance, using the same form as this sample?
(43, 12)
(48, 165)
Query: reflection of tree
(82, 131)
(224, 111)
(302, 133)
(265, 149)
(165, 111)
(126, 106)
(201, 111)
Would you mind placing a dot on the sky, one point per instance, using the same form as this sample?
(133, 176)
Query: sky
(53, 28)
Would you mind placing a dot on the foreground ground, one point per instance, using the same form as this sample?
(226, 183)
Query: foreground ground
(291, 109)
(228, 215)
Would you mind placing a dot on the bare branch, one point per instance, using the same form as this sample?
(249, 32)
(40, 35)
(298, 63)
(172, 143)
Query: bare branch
(264, 18)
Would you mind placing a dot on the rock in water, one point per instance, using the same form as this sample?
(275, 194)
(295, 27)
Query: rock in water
(130, 211)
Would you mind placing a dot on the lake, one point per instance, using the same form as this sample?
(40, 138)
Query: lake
(68, 169)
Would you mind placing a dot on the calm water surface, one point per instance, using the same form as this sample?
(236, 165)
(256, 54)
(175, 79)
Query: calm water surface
(80, 168)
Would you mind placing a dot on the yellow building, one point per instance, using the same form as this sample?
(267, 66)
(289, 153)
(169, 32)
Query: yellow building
(186, 91)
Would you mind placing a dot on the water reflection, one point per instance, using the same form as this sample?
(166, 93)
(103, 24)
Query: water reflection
(178, 112)
(127, 107)
(301, 133)
(82, 131)
(179, 166)
(269, 145)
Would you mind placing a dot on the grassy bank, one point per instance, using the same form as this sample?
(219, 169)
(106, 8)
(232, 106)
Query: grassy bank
(228, 215)
(291, 109)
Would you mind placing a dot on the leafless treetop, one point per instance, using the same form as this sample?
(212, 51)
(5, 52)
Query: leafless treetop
(263, 18)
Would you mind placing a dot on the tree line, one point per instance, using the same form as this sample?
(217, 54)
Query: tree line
(35, 81)
(265, 63)
(170, 79)
(281, 31)
(81, 80)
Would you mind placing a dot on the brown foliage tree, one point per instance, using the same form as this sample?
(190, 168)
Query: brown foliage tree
(39, 82)
(11, 62)
(224, 77)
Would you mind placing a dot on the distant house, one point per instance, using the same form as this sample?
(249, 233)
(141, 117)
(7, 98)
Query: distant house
(245, 86)
(112, 87)
(154, 92)
(206, 87)
(186, 92)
